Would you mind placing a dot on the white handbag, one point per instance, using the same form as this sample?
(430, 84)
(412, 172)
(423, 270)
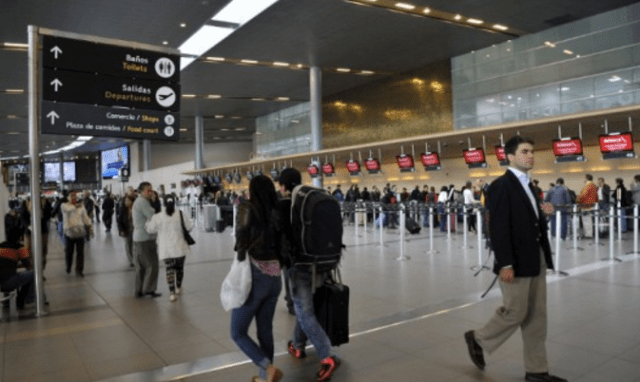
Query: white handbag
(237, 285)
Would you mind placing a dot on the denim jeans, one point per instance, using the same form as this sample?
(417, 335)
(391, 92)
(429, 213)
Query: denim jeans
(24, 283)
(260, 304)
(307, 325)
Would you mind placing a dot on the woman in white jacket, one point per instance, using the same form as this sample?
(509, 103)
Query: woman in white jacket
(172, 247)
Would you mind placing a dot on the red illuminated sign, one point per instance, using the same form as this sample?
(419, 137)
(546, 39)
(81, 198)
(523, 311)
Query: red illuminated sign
(500, 154)
(564, 147)
(353, 166)
(313, 170)
(473, 156)
(405, 162)
(430, 159)
(328, 169)
(618, 142)
(372, 164)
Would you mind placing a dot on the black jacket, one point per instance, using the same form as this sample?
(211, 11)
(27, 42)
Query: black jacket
(517, 235)
(258, 239)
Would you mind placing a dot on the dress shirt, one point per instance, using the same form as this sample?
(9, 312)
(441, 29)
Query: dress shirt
(526, 182)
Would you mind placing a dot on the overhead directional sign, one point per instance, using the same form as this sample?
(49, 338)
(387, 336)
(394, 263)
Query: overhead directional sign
(77, 119)
(117, 90)
(84, 56)
(77, 87)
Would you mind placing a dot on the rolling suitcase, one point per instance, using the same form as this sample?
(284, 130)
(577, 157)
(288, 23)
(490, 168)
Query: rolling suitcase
(220, 225)
(331, 304)
(412, 226)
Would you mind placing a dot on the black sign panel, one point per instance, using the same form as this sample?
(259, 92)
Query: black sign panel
(74, 119)
(83, 56)
(77, 87)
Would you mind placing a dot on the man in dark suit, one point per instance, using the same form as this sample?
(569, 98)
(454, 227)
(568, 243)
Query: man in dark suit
(518, 232)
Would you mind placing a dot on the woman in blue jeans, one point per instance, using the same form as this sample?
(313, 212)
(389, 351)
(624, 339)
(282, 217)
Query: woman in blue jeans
(256, 228)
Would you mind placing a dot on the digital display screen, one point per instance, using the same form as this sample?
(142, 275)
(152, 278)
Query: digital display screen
(430, 159)
(372, 164)
(313, 170)
(473, 156)
(405, 162)
(564, 147)
(500, 154)
(328, 169)
(353, 166)
(616, 142)
(52, 172)
(113, 160)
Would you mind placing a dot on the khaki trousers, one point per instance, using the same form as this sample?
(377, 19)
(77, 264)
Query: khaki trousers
(524, 307)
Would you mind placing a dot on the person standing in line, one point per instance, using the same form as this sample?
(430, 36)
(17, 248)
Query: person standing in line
(604, 195)
(518, 231)
(172, 247)
(635, 190)
(257, 227)
(621, 204)
(469, 204)
(125, 222)
(145, 251)
(587, 199)
(77, 227)
(307, 326)
(57, 214)
(560, 198)
(108, 206)
(442, 207)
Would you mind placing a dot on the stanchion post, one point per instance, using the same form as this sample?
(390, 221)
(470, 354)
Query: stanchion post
(635, 229)
(448, 217)
(403, 218)
(596, 223)
(619, 216)
(557, 265)
(432, 251)
(464, 229)
(381, 227)
(235, 212)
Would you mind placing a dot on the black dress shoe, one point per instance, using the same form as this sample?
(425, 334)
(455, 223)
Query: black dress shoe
(475, 351)
(79, 274)
(139, 295)
(154, 294)
(543, 377)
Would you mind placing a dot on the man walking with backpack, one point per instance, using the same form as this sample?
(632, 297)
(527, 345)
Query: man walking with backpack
(302, 282)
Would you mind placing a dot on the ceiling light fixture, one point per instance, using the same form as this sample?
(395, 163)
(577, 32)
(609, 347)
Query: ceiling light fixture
(614, 79)
(258, 99)
(214, 96)
(426, 10)
(457, 17)
(550, 44)
(500, 27)
(183, 25)
(282, 98)
(278, 63)
(165, 42)
(240, 128)
(16, 45)
(567, 51)
(366, 72)
(475, 21)
(188, 96)
(405, 6)
(245, 61)
(200, 42)
(15, 91)
(224, 129)
(215, 59)
(343, 70)
(241, 11)
(236, 117)
(183, 130)
(219, 116)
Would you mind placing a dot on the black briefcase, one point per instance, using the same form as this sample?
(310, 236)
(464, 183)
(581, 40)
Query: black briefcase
(331, 304)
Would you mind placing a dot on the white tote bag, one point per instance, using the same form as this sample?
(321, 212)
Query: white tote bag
(237, 285)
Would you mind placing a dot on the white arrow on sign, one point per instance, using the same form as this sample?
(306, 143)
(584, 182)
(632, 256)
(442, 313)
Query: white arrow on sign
(53, 115)
(56, 50)
(55, 84)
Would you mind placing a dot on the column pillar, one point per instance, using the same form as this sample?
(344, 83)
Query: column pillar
(199, 160)
(315, 87)
(146, 155)
(61, 167)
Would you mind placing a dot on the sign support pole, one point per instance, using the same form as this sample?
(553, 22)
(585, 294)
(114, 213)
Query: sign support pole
(36, 213)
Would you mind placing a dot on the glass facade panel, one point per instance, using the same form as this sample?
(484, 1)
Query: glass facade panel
(589, 64)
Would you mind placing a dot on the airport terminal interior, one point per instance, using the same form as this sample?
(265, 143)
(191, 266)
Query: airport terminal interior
(197, 97)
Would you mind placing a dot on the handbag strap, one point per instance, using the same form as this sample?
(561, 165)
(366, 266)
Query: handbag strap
(182, 222)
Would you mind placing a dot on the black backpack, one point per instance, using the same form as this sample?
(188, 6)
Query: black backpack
(316, 222)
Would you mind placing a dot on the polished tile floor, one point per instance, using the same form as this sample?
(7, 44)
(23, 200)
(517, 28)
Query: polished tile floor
(407, 317)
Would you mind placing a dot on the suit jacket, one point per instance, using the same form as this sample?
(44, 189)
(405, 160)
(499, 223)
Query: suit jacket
(517, 235)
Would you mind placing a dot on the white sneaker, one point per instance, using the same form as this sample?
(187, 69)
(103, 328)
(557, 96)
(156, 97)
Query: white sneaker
(173, 297)
(179, 290)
